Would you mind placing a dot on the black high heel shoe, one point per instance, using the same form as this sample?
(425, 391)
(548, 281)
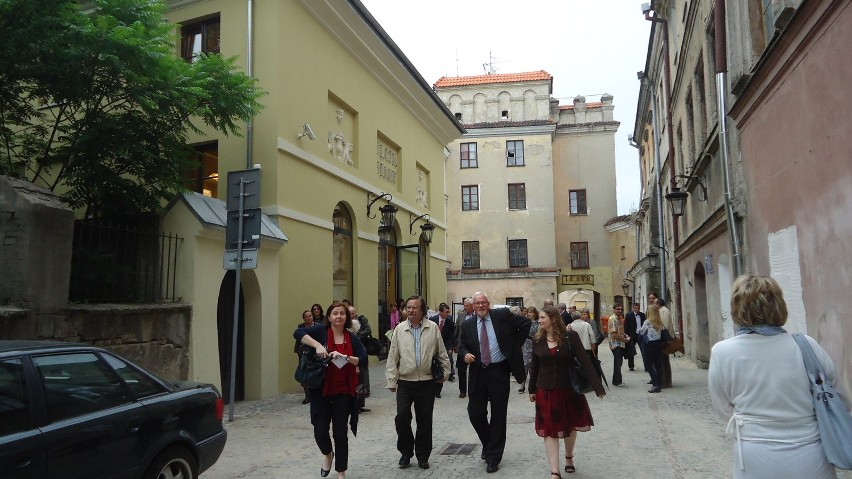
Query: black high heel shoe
(324, 472)
(522, 390)
(569, 468)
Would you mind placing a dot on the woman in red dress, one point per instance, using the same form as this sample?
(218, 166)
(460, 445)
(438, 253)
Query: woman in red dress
(559, 411)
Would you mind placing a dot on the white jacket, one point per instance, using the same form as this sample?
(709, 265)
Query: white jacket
(401, 363)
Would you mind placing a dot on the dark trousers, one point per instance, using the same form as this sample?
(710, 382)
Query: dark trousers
(630, 353)
(618, 359)
(462, 369)
(667, 371)
(654, 362)
(421, 395)
(491, 385)
(334, 411)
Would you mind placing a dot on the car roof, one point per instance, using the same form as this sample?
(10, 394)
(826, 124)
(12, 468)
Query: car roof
(24, 345)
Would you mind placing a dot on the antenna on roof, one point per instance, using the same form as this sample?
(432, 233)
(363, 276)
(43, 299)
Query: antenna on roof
(489, 66)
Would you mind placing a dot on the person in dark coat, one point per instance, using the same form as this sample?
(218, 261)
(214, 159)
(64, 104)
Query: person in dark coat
(334, 402)
(491, 346)
(448, 336)
(559, 411)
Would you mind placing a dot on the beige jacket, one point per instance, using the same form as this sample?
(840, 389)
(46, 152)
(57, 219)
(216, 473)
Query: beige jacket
(401, 363)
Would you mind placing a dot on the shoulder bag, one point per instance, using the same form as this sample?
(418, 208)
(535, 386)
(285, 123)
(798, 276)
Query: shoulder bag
(579, 382)
(311, 370)
(437, 369)
(833, 420)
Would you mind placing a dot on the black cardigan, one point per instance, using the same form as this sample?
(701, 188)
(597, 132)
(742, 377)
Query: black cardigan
(551, 372)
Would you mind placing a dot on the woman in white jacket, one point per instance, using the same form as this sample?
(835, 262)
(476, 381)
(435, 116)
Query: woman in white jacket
(757, 380)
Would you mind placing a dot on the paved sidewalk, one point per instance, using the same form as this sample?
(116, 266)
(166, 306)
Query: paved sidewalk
(674, 434)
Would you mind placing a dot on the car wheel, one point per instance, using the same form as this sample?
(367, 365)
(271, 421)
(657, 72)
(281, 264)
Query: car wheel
(173, 463)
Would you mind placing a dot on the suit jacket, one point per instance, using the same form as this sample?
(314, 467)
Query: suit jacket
(449, 332)
(511, 331)
(631, 324)
(551, 372)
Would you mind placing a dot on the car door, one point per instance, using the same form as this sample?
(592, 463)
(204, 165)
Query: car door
(95, 427)
(22, 453)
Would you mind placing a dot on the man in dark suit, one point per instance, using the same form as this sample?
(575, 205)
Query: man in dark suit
(464, 315)
(491, 346)
(632, 321)
(448, 335)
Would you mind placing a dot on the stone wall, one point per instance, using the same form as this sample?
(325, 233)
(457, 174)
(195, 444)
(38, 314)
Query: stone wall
(154, 336)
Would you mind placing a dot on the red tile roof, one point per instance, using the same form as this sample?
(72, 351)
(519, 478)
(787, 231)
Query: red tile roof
(493, 78)
(591, 104)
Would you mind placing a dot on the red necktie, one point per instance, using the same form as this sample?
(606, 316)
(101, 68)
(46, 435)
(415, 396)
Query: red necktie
(441, 326)
(484, 345)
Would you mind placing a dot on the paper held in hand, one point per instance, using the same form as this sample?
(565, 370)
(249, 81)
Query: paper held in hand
(339, 361)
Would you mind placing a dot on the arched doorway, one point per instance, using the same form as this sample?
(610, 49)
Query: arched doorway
(225, 326)
(387, 277)
(702, 324)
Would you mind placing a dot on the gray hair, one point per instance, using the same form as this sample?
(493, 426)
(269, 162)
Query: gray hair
(468, 301)
(562, 306)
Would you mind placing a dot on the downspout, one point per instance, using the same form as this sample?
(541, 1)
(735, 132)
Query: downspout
(250, 73)
(672, 161)
(637, 223)
(661, 231)
(722, 111)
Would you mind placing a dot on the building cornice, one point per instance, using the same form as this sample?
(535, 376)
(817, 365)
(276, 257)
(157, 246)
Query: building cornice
(501, 273)
(597, 126)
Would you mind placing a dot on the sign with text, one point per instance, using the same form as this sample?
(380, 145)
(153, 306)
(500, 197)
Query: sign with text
(578, 279)
(387, 161)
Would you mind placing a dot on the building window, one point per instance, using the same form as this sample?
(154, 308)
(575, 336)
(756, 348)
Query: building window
(470, 254)
(199, 37)
(468, 155)
(519, 302)
(624, 252)
(517, 196)
(580, 255)
(470, 198)
(518, 253)
(577, 199)
(458, 116)
(342, 252)
(203, 174)
(504, 115)
(515, 153)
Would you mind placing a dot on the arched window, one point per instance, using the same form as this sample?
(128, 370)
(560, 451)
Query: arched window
(342, 239)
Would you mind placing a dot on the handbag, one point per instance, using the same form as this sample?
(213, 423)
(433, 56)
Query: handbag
(311, 370)
(673, 346)
(579, 382)
(665, 336)
(833, 420)
(437, 370)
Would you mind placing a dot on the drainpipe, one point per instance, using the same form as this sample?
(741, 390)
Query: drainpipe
(638, 224)
(250, 72)
(661, 230)
(672, 169)
(722, 110)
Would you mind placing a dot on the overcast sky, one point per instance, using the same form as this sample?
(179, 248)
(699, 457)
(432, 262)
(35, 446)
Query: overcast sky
(590, 47)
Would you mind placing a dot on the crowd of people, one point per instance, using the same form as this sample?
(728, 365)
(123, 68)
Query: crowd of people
(484, 347)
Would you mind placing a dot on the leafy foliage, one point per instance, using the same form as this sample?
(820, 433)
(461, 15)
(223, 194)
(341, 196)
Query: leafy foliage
(97, 105)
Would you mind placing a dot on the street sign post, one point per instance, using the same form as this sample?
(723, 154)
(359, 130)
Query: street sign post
(242, 240)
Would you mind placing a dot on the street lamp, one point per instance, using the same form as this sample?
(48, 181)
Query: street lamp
(677, 198)
(652, 259)
(626, 287)
(427, 228)
(388, 211)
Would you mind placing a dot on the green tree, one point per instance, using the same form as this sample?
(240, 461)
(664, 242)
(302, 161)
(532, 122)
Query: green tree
(96, 105)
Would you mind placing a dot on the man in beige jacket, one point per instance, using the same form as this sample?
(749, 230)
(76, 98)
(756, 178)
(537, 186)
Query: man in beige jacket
(414, 343)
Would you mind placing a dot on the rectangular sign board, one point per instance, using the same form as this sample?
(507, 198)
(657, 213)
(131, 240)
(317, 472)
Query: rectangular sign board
(251, 179)
(249, 259)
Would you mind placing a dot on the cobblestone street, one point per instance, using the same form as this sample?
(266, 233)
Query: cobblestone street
(675, 434)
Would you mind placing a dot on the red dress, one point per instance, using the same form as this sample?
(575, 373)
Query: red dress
(558, 412)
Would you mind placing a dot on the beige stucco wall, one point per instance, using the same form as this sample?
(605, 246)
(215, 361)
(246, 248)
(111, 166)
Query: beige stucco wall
(308, 57)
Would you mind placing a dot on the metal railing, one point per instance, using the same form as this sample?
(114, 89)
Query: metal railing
(123, 263)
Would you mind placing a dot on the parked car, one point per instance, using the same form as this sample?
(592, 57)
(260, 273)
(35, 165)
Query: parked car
(77, 411)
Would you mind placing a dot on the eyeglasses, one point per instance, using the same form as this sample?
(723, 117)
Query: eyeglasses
(480, 303)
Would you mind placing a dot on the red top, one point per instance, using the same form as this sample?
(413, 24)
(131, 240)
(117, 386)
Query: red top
(340, 380)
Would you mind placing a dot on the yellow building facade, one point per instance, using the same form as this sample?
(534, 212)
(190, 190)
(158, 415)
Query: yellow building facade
(349, 127)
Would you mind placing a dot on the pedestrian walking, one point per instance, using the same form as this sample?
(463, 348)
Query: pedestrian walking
(617, 343)
(559, 411)
(414, 344)
(307, 322)
(652, 332)
(526, 349)
(334, 404)
(491, 346)
(464, 315)
(758, 381)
